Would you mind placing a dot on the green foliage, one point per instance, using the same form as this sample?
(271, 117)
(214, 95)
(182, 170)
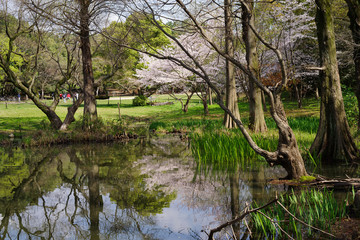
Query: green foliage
(12, 170)
(140, 101)
(350, 104)
(117, 127)
(92, 125)
(317, 208)
(138, 32)
(15, 60)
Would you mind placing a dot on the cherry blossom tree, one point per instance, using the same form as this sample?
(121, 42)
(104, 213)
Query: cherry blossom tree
(168, 77)
(291, 26)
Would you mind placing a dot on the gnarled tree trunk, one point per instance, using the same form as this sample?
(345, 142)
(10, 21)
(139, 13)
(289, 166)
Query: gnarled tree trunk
(71, 113)
(333, 140)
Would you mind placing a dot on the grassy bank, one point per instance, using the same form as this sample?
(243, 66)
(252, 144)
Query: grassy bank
(25, 119)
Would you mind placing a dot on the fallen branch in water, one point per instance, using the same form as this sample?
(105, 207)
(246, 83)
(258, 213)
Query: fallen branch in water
(338, 183)
(246, 212)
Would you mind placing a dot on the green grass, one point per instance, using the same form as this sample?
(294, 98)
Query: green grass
(19, 113)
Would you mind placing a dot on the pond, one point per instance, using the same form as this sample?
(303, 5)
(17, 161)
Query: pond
(144, 189)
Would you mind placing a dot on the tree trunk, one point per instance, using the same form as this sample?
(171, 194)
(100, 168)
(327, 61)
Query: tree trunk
(354, 15)
(186, 105)
(210, 96)
(288, 153)
(231, 96)
(317, 96)
(71, 113)
(90, 112)
(204, 98)
(54, 119)
(257, 121)
(298, 95)
(263, 99)
(206, 106)
(333, 141)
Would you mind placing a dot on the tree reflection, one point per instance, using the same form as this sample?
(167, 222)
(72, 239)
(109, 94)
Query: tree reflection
(87, 192)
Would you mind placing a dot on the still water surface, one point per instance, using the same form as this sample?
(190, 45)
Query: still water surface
(145, 189)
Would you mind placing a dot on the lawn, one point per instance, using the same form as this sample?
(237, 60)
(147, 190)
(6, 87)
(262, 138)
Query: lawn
(26, 115)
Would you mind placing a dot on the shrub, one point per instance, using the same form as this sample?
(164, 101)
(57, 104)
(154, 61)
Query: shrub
(140, 100)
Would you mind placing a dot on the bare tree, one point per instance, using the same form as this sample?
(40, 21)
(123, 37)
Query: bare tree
(287, 153)
(78, 17)
(25, 75)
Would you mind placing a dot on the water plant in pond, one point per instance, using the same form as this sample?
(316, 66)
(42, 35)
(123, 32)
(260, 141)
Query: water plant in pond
(223, 151)
(317, 208)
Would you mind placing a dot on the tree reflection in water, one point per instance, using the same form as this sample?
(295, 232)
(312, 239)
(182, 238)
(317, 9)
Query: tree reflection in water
(148, 189)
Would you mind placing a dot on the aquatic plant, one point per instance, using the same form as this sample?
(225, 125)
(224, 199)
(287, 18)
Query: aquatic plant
(225, 150)
(317, 208)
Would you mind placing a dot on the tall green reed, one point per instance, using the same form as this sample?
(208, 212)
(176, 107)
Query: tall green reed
(317, 208)
(225, 150)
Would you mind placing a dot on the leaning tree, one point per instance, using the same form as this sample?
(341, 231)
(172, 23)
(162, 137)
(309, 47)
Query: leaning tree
(287, 153)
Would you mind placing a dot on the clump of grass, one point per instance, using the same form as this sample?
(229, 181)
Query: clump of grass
(225, 150)
(316, 208)
(156, 126)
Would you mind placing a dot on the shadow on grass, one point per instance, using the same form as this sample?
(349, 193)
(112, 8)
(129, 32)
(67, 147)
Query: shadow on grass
(115, 106)
(26, 123)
